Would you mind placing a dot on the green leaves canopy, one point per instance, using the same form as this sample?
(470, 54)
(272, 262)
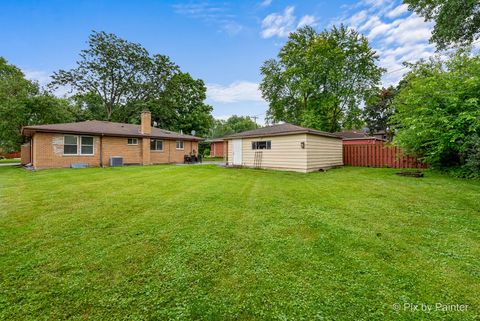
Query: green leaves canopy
(438, 112)
(22, 103)
(116, 79)
(320, 79)
(378, 109)
(457, 22)
(234, 124)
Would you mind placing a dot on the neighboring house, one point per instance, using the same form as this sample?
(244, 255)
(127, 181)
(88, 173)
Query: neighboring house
(284, 147)
(381, 134)
(363, 141)
(217, 147)
(94, 143)
(353, 137)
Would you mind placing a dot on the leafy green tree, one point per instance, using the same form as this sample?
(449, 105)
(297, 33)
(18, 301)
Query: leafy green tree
(320, 79)
(185, 96)
(234, 124)
(117, 71)
(22, 103)
(438, 112)
(457, 22)
(378, 109)
(116, 80)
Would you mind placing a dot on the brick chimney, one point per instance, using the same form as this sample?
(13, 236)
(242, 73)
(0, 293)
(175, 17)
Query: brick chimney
(146, 123)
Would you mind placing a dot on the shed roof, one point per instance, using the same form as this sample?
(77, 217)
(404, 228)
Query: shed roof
(280, 130)
(105, 128)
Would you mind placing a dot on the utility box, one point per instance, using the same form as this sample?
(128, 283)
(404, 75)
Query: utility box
(116, 161)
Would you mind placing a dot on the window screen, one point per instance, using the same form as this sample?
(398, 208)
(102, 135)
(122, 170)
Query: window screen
(262, 144)
(70, 145)
(156, 144)
(86, 146)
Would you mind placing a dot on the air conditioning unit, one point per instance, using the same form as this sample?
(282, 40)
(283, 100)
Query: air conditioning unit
(116, 161)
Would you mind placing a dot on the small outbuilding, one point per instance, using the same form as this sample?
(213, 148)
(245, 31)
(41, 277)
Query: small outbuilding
(217, 147)
(284, 147)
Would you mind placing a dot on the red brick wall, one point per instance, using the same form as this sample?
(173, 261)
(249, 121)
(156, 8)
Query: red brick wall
(217, 149)
(171, 154)
(48, 151)
(25, 154)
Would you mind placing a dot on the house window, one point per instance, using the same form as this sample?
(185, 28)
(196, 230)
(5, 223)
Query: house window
(262, 144)
(132, 141)
(70, 145)
(179, 144)
(86, 147)
(156, 144)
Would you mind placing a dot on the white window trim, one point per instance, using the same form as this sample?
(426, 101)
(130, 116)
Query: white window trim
(79, 145)
(158, 150)
(183, 145)
(136, 139)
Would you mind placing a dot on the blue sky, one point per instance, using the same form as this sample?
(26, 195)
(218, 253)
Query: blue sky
(224, 43)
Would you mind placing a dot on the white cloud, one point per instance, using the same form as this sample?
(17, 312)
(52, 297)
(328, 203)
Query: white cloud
(306, 20)
(282, 24)
(357, 18)
(235, 92)
(398, 11)
(42, 77)
(215, 14)
(276, 24)
(265, 3)
(232, 28)
(396, 35)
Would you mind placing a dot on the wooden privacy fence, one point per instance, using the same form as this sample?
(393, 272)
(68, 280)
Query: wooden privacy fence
(378, 156)
(11, 155)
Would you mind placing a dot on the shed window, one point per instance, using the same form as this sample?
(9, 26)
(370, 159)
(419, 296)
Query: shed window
(70, 145)
(156, 144)
(86, 147)
(179, 144)
(262, 144)
(132, 141)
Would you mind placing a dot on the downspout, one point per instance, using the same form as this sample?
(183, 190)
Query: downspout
(101, 151)
(31, 150)
(169, 149)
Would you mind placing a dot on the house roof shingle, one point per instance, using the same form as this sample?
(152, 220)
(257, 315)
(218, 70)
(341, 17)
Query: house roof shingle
(352, 134)
(280, 130)
(105, 128)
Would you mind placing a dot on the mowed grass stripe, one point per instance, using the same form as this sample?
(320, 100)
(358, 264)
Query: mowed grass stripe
(201, 242)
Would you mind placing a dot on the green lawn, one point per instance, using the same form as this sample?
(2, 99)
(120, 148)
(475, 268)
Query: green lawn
(202, 242)
(211, 159)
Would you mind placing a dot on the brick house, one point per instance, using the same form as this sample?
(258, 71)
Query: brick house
(93, 143)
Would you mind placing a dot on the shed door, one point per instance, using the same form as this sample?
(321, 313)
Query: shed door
(237, 151)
